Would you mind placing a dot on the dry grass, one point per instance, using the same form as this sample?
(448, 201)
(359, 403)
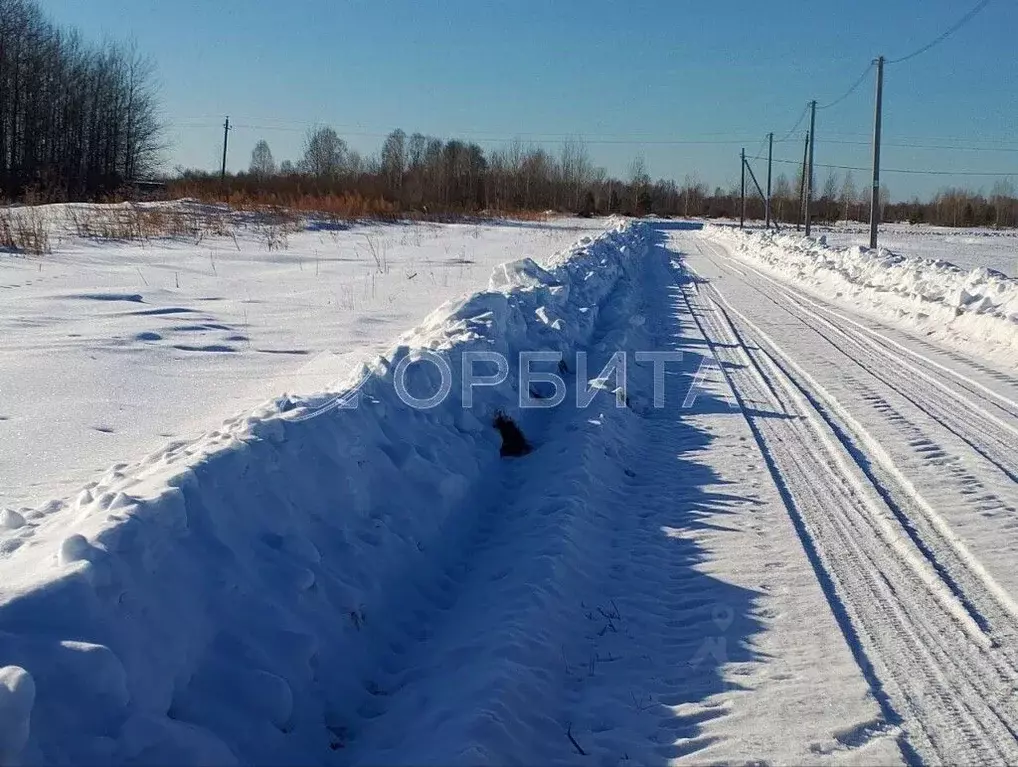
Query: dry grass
(134, 222)
(345, 206)
(379, 250)
(274, 227)
(273, 215)
(314, 198)
(23, 230)
(520, 215)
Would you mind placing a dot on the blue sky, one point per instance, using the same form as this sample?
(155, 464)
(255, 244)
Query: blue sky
(626, 76)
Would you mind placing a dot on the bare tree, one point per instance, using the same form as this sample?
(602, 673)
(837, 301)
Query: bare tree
(575, 168)
(693, 194)
(1005, 206)
(262, 164)
(783, 203)
(394, 158)
(638, 182)
(325, 154)
(829, 197)
(848, 196)
(415, 151)
(75, 120)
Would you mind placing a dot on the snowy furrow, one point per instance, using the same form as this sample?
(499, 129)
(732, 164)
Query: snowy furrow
(975, 309)
(611, 602)
(473, 670)
(213, 602)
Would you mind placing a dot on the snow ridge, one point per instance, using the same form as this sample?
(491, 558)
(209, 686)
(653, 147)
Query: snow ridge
(963, 307)
(206, 604)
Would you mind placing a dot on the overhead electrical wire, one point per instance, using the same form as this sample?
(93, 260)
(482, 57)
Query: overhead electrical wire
(490, 138)
(795, 127)
(966, 143)
(758, 154)
(956, 139)
(850, 91)
(906, 170)
(946, 34)
(971, 14)
(925, 146)
(905, 144)
(263, 123)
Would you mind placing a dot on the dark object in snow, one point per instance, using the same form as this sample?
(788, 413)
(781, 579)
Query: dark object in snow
(514, 444)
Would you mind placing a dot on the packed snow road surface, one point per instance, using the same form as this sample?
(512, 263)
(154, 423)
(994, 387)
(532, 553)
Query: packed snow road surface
(898, 462)
(787, 538)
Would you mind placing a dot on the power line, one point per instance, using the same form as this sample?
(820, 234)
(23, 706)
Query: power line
(260, 123)
(851, 90)
(696, 142)
(950, 31)
(805, 111)
(928, 138)
(880, 62)
(595, 140)
(926, 146)
(910, 171)
(1006, 145)
(503, 139)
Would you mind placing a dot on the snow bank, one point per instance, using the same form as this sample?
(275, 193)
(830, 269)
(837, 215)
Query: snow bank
(213, 602)
(963, 307)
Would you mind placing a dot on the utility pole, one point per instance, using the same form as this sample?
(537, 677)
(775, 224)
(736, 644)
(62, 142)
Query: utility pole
(226, 137)
(742, 214)
(875, 199)
(770, 162)
(802, 183)
(809, 174)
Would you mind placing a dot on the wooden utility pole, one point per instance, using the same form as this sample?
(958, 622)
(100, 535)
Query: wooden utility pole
(752, 177)
(742, 214)
(875, 198)
(226, 138)
(809, 172)
(802, 183)
(770, 163)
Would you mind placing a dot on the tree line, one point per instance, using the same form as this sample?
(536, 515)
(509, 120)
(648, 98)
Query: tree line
(426, 174)
(77, 121)
(423, 173)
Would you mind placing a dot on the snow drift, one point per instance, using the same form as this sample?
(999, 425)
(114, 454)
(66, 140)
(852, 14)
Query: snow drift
(209, 604)
(963, 307)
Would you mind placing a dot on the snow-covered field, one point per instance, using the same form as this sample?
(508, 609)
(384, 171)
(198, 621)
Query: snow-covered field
(802, 553)
(966, 248)
(109, 350)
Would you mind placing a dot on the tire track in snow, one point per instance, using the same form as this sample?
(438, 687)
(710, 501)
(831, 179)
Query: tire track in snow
(930, 460)
(935, 395)
(937, 676)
